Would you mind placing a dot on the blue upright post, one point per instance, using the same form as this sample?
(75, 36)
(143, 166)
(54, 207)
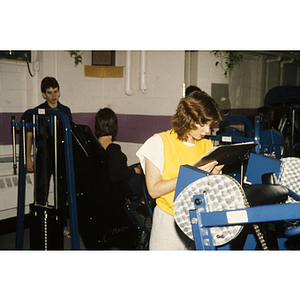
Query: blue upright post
(69, 174)
(71, 183)
(21, 188)
(257, 134)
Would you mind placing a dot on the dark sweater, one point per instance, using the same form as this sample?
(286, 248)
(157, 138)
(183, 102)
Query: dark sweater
(117, 162)
(60, 107)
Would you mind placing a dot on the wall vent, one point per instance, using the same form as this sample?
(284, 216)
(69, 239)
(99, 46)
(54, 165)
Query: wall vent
(12, 181)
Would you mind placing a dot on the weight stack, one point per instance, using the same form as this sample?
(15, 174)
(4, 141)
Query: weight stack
(46, 228)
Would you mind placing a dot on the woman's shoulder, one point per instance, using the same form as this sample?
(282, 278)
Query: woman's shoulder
(151, 144)
(166, 133)
(153, 140)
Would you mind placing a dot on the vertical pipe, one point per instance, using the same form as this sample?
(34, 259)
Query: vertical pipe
(281, 69)
(128, 89)
(71, 182)
(24, 144)
(257, 134)
(55, 164)
(187, 68)
(143, 72)
(21, 191)
(13, 126)
(55, 63)
(293, 127)
(34, 156)
(268, 61)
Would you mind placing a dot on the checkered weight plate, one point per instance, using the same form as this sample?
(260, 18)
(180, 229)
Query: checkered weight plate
(222, 192)
(289, 175)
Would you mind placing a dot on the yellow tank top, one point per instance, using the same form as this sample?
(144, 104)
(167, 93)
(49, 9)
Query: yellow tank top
(176, 154)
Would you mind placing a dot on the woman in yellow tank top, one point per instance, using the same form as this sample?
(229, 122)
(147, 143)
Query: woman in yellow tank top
(163, 154)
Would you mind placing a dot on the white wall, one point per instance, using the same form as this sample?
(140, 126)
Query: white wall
(166, 72)
(16, 88)
(208, 73)
(87, 94)
(246, 83)
(165, 77)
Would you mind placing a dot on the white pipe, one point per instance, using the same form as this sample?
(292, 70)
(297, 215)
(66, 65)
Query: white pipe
(286, 62)
(187, 68)
(143, 63)
(268, 61)
(55, 65)
(34, 63)
(282, 66)
(128, 89)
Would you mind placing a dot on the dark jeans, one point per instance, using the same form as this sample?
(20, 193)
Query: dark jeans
(136, 182)
(44, 169)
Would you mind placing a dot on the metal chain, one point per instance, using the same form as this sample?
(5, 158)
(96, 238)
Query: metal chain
(255, 226)
(258, 232)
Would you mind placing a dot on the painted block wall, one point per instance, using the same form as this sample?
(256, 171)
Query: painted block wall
(246, 83)
(208, 73)
(85, 95)
(165, 77)
(88, 94)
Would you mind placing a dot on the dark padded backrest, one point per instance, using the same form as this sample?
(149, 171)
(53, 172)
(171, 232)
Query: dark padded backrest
(86, 140)
(100, 202)
(264, 194)
(91, 171)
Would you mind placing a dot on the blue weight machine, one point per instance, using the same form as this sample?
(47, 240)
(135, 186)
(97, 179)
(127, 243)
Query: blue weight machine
(285, 104)
(49, 213)
(265, 200)
(266, 219)
(109, 217)
(103, 212)
(270, 141)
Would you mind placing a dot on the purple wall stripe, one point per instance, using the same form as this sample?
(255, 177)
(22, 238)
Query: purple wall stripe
(132, 128)
(5, 127)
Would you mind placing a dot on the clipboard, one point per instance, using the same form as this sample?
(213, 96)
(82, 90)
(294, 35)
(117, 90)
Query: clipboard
(225, 154)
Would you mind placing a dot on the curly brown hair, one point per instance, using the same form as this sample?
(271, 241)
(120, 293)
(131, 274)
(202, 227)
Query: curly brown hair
(196, 108)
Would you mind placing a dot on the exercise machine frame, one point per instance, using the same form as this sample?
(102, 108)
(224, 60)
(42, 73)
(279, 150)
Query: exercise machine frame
(23, 125)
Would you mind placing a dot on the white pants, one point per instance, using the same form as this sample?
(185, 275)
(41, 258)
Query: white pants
(166, 235)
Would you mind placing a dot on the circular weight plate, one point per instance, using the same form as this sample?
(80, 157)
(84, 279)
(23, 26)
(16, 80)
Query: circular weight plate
(222, 192)
(289, 175)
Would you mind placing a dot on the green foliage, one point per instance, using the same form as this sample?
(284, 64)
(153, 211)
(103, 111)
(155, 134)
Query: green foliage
(227, 60)
(77, 56)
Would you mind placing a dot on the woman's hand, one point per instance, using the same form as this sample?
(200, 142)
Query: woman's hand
(212, 167)
(217, 169)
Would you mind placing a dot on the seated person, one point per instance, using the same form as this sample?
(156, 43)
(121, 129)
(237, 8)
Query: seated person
(191, 89)
(106, 127)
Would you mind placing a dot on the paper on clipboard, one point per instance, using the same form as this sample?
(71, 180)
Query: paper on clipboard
(225, 154)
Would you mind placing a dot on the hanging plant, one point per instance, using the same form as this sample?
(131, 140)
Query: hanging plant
(227, 60)
(77, 56)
